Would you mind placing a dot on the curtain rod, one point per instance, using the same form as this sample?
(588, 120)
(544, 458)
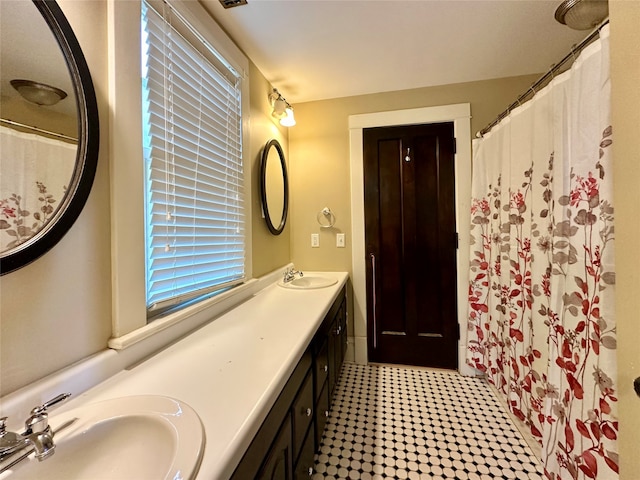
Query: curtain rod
(38, 130)
(572, 55)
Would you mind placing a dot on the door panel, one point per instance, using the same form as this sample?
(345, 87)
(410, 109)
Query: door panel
(390, 177)
(411, 241)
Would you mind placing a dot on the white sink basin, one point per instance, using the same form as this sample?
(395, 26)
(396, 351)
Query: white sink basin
(142, 437)
(309, 282)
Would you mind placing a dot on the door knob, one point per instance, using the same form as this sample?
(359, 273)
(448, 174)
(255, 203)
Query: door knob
(636, 386)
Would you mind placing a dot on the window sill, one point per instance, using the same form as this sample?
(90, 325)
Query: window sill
(193, 316)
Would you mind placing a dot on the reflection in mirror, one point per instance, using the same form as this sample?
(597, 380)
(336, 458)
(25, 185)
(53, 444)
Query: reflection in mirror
(48, 130)
(274, 187)
(37, 141)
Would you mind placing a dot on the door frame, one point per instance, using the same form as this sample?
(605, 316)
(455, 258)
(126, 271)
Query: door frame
(460, 116)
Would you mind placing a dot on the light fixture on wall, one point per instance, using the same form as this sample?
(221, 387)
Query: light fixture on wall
(282, 110)
(38, 93)
(582, 14)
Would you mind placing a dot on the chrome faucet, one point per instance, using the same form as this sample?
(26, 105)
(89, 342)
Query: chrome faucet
(37, 434)
(290, 274)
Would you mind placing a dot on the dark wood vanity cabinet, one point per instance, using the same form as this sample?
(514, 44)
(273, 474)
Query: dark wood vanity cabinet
(329, 346)
(284, 447)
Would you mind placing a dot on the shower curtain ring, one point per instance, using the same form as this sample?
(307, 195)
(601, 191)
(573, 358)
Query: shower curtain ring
(573, 51)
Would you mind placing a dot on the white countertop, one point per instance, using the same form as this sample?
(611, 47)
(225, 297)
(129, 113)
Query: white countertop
(231, 370)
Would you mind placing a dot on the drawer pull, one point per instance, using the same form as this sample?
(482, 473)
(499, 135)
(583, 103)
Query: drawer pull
(310, 471)
(326, 368)
(326, 413)
(309, 412)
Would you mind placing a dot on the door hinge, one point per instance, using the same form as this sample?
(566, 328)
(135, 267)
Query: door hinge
(458, 332)
(455, 145)
(457, 241)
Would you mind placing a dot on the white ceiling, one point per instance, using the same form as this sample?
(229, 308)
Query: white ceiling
(319, 49)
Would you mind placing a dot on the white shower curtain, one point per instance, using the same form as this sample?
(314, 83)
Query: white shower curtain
(541, 320)
(35, 174)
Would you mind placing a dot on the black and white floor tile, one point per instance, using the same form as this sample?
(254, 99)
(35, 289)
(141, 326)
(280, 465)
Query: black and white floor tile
(400, 423)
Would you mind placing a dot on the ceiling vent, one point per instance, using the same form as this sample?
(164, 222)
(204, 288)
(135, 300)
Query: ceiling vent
(232, 3)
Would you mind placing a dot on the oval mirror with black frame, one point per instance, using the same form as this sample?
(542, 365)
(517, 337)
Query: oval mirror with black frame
(27, 232)
(274, 187)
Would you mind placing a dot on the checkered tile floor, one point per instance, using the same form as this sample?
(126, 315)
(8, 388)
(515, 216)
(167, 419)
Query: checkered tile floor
(398, 423)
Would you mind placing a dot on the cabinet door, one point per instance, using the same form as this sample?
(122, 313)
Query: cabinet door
(321, 367)
(304, 467)
(322, 414)
(278, 464)
(302, 411)
(343, 334)
(332, 344)
(340, 338)
(337, 345)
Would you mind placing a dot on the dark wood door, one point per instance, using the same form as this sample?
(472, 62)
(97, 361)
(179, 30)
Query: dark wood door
(409, 183)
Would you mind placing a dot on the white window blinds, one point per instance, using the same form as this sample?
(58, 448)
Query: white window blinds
(192, 135)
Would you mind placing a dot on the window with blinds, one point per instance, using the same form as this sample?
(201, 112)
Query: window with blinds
(192, 143)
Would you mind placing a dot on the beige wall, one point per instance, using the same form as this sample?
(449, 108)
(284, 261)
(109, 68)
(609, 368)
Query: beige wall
(57, 310)
(319, 149)
(269, 251)
(625, 87)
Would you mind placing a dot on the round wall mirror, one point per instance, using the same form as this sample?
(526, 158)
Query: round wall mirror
(49, 131)
(274, 187)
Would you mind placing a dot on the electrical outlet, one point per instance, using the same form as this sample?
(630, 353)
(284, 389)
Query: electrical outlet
(315, 240)
(340, 240)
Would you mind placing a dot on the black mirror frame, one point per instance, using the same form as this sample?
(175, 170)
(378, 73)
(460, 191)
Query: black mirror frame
(88, 145)
(263, 191)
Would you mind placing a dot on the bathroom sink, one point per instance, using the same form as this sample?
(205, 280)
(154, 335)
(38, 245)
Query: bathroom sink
(309, 282)
(141, 437)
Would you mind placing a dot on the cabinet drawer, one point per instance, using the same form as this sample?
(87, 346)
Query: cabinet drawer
(322, 414)
(304, 467)
(321, 368)
(302, 409)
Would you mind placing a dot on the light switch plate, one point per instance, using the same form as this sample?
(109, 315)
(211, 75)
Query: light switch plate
(340, 240)
(315, 240)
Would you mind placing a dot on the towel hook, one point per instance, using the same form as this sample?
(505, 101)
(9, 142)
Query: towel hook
(326, 218)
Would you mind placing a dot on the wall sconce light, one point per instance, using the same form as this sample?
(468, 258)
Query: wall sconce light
(38, 93)
(282, 110)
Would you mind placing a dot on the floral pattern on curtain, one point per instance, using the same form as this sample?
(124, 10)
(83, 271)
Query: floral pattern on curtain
(541, 320)
(35, 174)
